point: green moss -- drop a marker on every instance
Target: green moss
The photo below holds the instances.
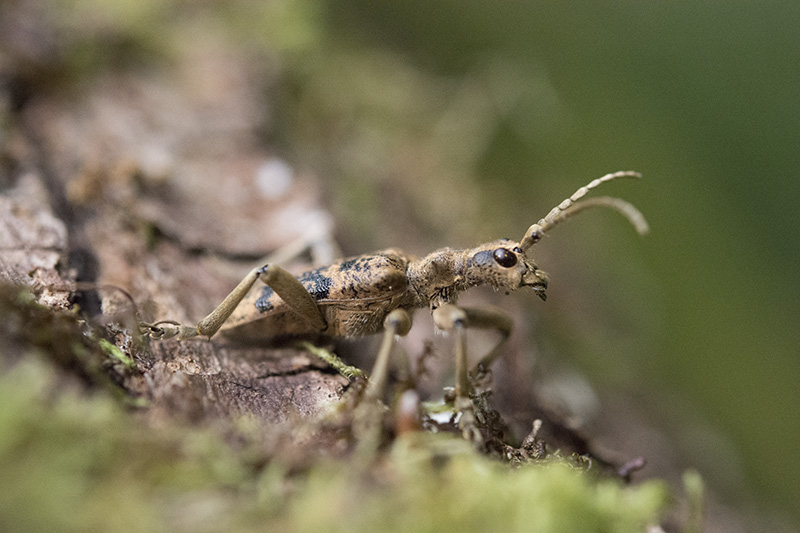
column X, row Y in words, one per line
column 78, row 461
column 75, row 461
column 116, row 354
column 55, row 453
column 419, row 489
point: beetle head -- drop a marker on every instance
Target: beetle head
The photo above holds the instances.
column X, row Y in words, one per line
column 507, row 265
column 503, row 265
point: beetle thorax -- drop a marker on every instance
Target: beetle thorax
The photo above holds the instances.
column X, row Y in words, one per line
column 439, row 276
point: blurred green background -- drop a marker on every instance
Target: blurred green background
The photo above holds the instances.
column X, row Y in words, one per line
column 698, row 321
column 450, row 123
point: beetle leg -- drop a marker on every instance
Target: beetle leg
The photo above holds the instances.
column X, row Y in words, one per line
column 284, row 284
column 398, row 322
column 449, row 317
column 368, row 421
column 489, row 318
column 288, row 288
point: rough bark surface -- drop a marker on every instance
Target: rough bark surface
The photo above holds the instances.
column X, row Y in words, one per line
column 158, row 184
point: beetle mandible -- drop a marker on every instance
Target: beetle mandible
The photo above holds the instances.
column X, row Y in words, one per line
column 369, row 293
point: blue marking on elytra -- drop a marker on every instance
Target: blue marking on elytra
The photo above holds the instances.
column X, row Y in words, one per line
column 317, row 285
column 263, row 304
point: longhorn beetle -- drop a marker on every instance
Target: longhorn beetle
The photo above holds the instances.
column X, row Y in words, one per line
column 366, row 294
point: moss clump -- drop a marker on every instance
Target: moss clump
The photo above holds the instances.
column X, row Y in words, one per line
column 438, row 483
column 72, row 461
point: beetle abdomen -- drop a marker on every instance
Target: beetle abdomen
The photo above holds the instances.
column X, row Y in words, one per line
column 354, row 296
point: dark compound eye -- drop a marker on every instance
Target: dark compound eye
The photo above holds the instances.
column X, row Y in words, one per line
column 505, row 258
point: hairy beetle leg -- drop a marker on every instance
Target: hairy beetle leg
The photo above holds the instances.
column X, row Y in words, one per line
column 398, row 322
column 283, row 283
column 368, row 421
column 449, row 317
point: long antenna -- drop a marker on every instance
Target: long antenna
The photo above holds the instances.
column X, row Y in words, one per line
column 570, row 207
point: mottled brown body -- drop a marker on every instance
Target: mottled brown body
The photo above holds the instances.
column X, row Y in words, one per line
column 354, row 296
